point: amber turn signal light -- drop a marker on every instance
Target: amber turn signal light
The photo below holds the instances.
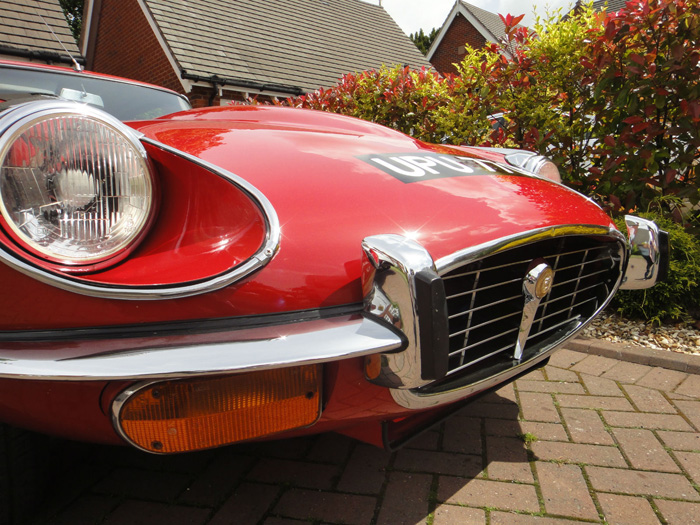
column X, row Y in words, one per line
column 194, row 414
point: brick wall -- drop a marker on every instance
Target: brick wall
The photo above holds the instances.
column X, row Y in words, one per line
column 127, row 47
column 451, row 48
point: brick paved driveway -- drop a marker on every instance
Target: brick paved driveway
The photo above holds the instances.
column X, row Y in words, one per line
column 587, row 439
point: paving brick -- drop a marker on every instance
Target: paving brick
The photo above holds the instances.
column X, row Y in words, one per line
column 508, row 518
column 503, row 427
column 644, row 451
column 585, row 426
column 690, row 387
column 406, row 499
column 454, row 515
column 325, row 506
column 691, row 464
column 689, row 441
column 283, row 521
column 544, row 431
column 490, row 410
column 429, row 440
column 506, row 459
column 331, row 448
column 297, row 473
column 365, row 472
column 559, row 374
column 648, row 400
column 87, row 510
column 625, row 372
column 295, row 448
column 564, row 491
column 594, row 365
column 463, row 434
column 248, row 504
column 136, row 483
column 649, row 421
column 551, row 387
column 627, row 510
column 594, row 402
column 438, row 462
column 599, row 386
column 535, row 375
column 147, row 513
column 662, row 379
column 578, row 453
column 691, row 410
column 482, row 493
column 566, row 358
column 505, row 394
column 538, row 407
column 679, row 512
column 217, row 481
column 655, row 484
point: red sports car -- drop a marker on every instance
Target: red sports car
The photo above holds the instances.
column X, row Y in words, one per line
column 177, row 279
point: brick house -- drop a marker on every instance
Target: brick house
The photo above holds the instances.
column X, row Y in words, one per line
column 216, row 52
column 466, row 24
column 25, row 32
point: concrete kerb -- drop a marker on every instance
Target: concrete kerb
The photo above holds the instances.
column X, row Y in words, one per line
column 688, row 363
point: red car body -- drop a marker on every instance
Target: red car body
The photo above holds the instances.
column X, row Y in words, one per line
column 300, row 243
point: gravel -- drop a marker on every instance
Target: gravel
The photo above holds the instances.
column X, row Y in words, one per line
column 610, row 327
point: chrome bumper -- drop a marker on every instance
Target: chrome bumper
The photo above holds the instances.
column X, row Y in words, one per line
column 177, row 356
column 648, row 254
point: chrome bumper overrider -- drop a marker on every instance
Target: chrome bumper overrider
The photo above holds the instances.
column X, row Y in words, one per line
column 177, row 356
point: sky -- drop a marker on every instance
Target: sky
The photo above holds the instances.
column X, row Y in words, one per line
column 412, row 15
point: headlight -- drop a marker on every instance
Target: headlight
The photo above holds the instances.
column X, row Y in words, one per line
column 75, row 184
column 535, row 164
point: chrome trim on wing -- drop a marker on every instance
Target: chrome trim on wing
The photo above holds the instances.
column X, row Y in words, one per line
column 165, row 357
column 261, row 257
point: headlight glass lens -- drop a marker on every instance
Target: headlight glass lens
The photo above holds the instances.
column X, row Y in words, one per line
column 75, row 188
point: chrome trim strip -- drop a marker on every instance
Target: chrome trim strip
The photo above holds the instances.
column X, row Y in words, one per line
column 164, row 357
column 263, row 256
column 452, row 261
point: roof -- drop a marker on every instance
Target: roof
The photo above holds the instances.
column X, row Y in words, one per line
column 303, row 43
column 22, row 29
column 488, row 24
column 611, row 6
column 491, row 21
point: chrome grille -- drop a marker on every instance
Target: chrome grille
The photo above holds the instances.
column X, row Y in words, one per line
column 485, row 299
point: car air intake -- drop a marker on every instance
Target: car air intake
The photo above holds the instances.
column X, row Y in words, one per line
column 485, row 303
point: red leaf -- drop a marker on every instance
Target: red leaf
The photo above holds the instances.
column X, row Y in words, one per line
column 638, row 59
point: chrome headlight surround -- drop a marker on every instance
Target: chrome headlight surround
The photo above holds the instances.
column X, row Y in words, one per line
column 76, row 187
column 535, row 164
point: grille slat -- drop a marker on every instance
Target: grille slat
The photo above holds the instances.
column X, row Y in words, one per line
column 462, row 294
column 485, row 299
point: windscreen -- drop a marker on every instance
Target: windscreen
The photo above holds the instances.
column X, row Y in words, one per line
column 123, row 100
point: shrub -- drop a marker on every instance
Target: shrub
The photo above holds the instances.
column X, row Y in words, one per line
column 644, row 71
column 677, row 299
